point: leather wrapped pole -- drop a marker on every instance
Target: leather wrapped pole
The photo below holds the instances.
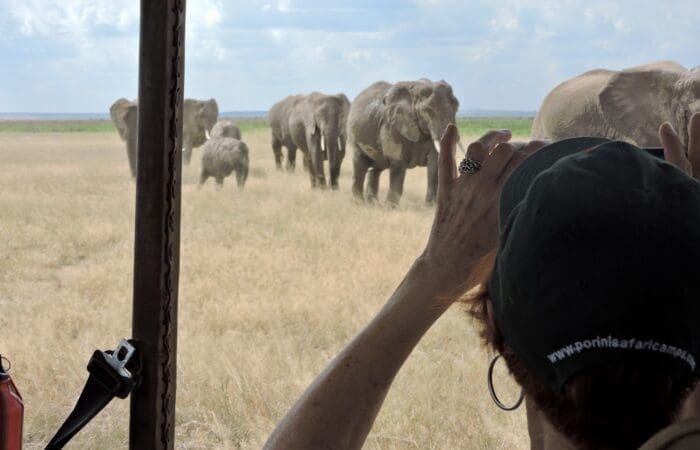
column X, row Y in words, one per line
column 157, row 241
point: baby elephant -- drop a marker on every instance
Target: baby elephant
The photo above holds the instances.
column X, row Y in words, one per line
column 226, row 128
column 220, row 157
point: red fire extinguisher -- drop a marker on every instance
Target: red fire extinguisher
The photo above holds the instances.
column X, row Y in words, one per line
column 11, row 412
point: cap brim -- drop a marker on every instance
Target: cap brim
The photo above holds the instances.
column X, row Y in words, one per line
column 519, row 181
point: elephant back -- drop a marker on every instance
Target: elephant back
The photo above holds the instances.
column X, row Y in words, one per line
column 571, row 109
column 226, row 128
column 279, row 115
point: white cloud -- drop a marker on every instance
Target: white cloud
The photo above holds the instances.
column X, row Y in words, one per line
column 505, row 20
column 70, row 18
column 284, row 5
column 203, row 44
column 483, row 50
column 278, row 34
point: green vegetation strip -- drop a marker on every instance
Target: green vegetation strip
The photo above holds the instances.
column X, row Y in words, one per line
column 475, row 126
column 57, row 126
column 467, row 126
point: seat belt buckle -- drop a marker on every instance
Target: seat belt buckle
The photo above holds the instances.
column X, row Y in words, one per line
column 116, row 370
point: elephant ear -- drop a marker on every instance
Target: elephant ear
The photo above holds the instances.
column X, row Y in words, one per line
column 213, row 108
column 117, row 112
column 131, row 116
column 637, row 101
column 343, row 98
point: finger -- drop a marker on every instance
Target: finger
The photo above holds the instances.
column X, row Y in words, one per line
column 525, row 151
column 673, row 147
column 500, row 158
column 479, row 149
column 694, row 144
column 534, row 146
column 447, row 167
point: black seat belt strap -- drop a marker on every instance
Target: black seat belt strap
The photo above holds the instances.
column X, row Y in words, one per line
column 112, row 374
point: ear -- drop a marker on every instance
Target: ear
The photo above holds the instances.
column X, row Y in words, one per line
column 399, row 113
column 343, row 98
column 131, row 115
column 636, row 101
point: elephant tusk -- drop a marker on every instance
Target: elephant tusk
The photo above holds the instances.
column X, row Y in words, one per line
column 340, row 145
column 461, row 147
column 206, row 134
column 323, row 143
column 436, row 143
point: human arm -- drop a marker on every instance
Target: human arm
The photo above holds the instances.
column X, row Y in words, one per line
column 340, row 406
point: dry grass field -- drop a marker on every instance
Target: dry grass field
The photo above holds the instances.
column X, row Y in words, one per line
column 274, row 281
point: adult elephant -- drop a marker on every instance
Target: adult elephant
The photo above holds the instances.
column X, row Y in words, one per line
column 395, row 127
column 314, row 124
column 198, row 118
column 124, row 114
column 278, row 118
column 627, row 105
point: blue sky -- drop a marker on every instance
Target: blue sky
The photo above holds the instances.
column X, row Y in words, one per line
column 80, row 55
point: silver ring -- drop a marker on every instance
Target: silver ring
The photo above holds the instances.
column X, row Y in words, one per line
column 469, row 166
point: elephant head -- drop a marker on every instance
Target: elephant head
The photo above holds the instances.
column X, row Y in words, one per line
column 417, row 111
column 636, row 101
column 124, row 114
column 199, row 117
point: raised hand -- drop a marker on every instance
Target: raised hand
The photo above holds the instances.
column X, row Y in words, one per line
column 465, row 228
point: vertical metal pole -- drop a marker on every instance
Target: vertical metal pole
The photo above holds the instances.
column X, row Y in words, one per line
column 157, row 241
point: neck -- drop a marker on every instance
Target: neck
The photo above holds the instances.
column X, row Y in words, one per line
column 543, row 436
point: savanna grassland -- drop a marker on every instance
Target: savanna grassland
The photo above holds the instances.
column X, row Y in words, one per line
column 275, row 279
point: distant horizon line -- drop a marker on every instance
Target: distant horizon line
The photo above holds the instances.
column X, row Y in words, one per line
column 252, row 114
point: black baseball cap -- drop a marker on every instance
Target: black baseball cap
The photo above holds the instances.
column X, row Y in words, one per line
column 598, row 261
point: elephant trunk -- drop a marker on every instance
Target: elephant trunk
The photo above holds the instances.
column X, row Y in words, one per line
column 329, row 144
column 332, row 149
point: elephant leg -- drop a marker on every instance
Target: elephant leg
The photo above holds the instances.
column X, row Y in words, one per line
column 187, row 154
column 432, row 177
column 310, row 169
column 291, row 158
column 277, row 150
column 316, row 154
column 131, row 155
column 397, row 174
column 360, row 165
column 373, row 184
column 203, row 177
column 219, row 183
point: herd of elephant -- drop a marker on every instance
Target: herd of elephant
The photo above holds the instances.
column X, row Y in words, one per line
column 397, row 126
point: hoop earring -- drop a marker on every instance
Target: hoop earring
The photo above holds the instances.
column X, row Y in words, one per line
column 492, row 391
